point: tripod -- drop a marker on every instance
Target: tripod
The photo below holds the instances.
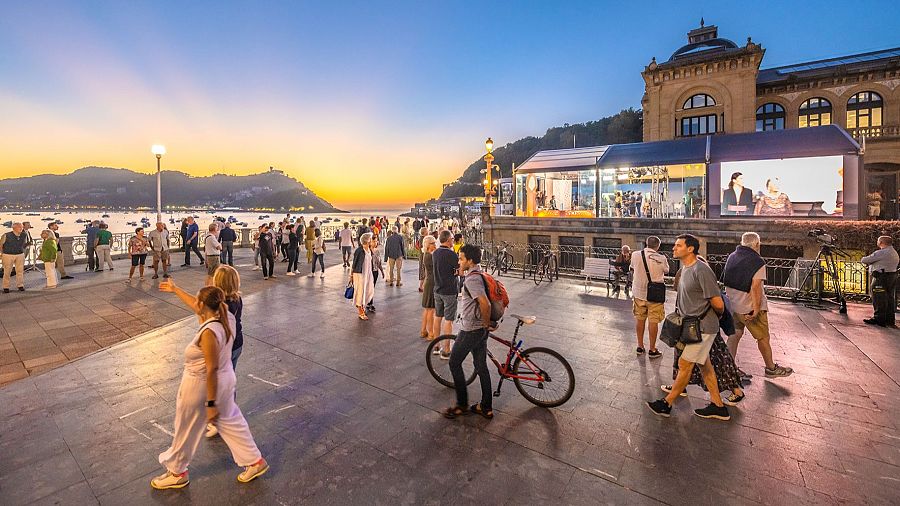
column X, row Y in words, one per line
column 817, row 284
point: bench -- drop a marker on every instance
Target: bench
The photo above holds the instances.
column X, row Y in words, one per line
column 600, row 269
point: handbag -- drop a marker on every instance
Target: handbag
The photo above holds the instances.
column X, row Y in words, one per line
column 656, row 292
column 348, row 292
column 684, row 329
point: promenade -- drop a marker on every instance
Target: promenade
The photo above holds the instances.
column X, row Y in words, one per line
column 346, row 412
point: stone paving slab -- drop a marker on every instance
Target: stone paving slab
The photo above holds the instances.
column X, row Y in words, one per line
column 43, row 329
column 346, row 412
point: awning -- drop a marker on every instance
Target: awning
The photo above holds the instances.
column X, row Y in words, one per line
column 828, row 140
column 562, row 160
column 647, row 154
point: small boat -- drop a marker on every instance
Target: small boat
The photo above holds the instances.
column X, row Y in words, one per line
column 59, row 222
column 46, row 218
column 57, row 213
column 32, row 214
column 353, row 222
column 7, row 224
column 132, row 224
column 105, row 216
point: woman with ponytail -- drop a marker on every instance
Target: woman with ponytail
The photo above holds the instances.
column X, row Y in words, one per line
column 206, row 395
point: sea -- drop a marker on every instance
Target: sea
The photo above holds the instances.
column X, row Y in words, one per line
column 127, row 221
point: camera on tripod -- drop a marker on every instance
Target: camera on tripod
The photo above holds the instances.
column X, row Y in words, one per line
column 821, row 236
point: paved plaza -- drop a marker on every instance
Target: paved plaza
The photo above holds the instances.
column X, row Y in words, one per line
column 346, row 412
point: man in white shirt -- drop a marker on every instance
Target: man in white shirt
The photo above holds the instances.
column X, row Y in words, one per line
column 346, row 237
column 212, row 249
column 643, row 310
column 159, row 245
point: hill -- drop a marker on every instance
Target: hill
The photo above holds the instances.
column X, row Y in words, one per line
column 624, row 127
column 122, row 188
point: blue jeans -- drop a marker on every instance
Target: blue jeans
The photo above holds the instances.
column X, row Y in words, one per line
column 227, row 254
column 235, row 354
column 474, row 342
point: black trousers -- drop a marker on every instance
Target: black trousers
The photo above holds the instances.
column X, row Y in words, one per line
column 192, row 246
column 292, row 255
column 267, row 259
column 93, row 261
column 474, row 342
column 884, row 296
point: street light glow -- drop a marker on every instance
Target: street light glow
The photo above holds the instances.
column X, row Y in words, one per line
column 158, row 149
column 489, row 145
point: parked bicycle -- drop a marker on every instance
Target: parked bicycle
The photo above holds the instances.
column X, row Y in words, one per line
column 501, row 261
column 546, row 266
column 541, row 375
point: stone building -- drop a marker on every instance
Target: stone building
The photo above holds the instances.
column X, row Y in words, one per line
column 712, row 86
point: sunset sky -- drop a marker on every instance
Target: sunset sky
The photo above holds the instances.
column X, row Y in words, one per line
column 368, row 103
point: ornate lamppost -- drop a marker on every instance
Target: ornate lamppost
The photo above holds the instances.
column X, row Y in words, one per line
column 489, row 191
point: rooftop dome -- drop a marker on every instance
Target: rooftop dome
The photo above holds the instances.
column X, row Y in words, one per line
column 701, row 46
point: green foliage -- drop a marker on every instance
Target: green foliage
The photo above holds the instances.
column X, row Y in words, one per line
column 623, row 128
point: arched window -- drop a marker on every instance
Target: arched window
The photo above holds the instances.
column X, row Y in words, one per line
column 769, row 117
column 700, row 100
column 864, row 110
column 815, row 112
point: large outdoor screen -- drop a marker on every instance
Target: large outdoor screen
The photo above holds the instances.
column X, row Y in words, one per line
column 793, row 187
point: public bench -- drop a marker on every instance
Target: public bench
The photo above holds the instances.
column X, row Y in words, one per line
column 600, row 269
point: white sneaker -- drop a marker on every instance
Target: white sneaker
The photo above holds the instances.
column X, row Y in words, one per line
column 211, row 430
column 256, row 267
column 310, row 275
column 252, row 472
column 291, row 274
column 169, row 480
column 322, row 276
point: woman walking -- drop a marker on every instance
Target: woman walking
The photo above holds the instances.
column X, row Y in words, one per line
column 206, row 394
column 292, row 250
column 318, row 254
column 363, row 279
column 266, row 252
column 427, row 331
column 138, row 246
column 377, row 268
column 48, row 256
column 227, row 279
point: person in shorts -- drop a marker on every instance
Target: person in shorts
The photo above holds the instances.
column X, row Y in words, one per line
column 643, row 310
column 213, row 249
column 697, row 295
column 446, row 289
column 138, row 246
column 744, row 277
column 159, row 247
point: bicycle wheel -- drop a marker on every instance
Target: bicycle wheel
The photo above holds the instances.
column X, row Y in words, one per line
column 552, row 268
column 506, row 261
column 558, row 383
column 440, row 368
column 540, row 272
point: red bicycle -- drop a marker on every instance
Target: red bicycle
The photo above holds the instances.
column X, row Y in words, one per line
column 540, row 374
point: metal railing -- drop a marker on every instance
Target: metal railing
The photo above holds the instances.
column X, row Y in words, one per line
column 784, row 276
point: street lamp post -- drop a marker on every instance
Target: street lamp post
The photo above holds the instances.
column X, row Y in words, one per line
column 159, row 150
column 488, row 180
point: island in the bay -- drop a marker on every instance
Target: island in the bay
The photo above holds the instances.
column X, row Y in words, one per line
column 111, row 188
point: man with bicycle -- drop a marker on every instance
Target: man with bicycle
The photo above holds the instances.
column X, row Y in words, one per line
column 474, row 325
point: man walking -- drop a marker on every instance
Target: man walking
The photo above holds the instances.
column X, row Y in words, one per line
column 60, row 261
column 191, row 240
column 12, row 245
column 91, row 231
column 394, row 253
column 346, row 238
column 213, row 250
column 698, row 295
column 226, row 238
column 159, row 246
column 474, row 324
column 446, row 288
column 648, row 265
column 744, row 277
column 883, row 268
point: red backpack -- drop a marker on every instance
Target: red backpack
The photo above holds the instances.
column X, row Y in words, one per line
column 496, row 294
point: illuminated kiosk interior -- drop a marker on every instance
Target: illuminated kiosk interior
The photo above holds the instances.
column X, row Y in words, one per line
column 799, row 173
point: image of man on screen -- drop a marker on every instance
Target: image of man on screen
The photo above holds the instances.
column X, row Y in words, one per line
column 737, row 199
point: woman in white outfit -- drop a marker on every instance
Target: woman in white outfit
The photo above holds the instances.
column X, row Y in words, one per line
column 363, row 279
column 206, row 395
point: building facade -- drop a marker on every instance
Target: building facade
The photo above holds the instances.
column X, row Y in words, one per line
column 713, row 86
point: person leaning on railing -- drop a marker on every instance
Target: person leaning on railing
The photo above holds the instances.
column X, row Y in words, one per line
column 883, row 268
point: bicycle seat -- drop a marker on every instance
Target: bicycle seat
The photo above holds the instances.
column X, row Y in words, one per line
column 526, row 320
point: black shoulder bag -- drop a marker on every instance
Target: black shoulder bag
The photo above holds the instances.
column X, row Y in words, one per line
column 656, row 292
